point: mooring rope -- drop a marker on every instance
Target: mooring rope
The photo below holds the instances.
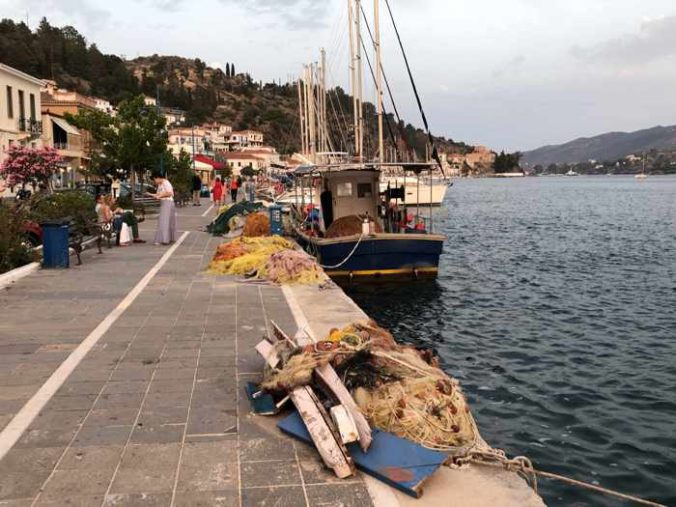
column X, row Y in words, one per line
column 342, row 263
column 523, row 466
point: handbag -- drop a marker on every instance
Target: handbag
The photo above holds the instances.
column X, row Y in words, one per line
column 125, row 235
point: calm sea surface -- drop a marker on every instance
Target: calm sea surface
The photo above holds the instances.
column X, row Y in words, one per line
column 556, row 310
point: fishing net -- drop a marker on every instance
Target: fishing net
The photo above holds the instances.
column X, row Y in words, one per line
column 221, row 224
column 293, row 266
column 398, row 388
column 271, row 258
column 348, row 226
column 257, row 225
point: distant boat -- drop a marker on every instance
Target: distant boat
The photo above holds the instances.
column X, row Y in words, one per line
column 572, row 173
column 642, row 175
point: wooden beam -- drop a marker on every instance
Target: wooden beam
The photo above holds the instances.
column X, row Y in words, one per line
column 333, row 452
column 267, row 350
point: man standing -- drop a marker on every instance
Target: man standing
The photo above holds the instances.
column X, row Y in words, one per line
column 196, row 189
column 234, row 186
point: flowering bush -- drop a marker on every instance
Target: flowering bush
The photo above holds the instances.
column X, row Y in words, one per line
column 30, row 165
column 15, row 250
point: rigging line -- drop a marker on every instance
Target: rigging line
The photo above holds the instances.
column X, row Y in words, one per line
column 340, row 105
column 335, row 115
column 382, row 69
column 373, row 75
column 435, row 155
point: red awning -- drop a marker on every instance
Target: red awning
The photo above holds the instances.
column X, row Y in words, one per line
column 210, row 161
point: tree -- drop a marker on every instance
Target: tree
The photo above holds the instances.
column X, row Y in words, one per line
column 248, row 171
column 31, row 165
column 507, row 162
column 179, row 171
column 98, row 127
column 227, row 70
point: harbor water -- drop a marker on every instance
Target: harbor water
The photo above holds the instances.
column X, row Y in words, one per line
column 556, row 309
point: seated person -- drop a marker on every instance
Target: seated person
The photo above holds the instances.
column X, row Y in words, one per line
column 108, row 212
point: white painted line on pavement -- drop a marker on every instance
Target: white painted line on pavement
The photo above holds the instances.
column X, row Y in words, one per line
column 13, row 431
column 208, row 210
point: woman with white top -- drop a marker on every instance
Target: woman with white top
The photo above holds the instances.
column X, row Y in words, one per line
column 166, row 225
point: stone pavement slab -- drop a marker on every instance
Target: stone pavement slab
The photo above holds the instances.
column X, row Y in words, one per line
column 155, row 413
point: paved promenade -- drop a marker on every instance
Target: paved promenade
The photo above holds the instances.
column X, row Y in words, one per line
column 153, row 414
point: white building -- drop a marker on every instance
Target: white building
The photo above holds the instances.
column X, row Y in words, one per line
column 238, row 160
column 173, row 116
column 104, row 106
column 20, row 109
column 245, row 139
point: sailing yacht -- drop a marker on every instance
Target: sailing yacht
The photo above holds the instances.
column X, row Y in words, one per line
column 642, row 175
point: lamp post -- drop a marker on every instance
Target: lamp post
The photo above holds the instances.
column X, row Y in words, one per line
column 157, row 104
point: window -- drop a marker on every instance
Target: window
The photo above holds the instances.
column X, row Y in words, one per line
column 364, row 190
column 22, row 106
column 344, row 189
column 10, row 103
column 32, row 106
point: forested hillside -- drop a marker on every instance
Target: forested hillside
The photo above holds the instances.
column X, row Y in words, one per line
column 63, row 54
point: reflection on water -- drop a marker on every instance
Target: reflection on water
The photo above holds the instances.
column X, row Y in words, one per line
column 555, row 309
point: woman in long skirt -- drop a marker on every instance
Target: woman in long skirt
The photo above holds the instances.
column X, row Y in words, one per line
column 166, row 225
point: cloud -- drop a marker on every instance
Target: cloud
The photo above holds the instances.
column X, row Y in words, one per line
column 293, row 14
column 167, row 5
column 80, row 11
column 655, row 40
column 510, row 67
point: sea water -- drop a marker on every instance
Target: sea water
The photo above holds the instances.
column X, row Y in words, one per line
column 555, row 307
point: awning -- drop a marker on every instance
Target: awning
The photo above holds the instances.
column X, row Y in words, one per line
column 65, row 126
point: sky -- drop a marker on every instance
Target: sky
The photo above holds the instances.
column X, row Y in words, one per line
column 510, row 74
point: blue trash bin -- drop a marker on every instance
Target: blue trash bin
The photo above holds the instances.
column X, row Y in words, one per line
column 55, row 253
column 276, row 221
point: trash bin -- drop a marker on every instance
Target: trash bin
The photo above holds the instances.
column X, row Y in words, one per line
column 276, row 221
column 55, row 253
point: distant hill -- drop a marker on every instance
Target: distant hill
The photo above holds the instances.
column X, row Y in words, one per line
column 611, row 146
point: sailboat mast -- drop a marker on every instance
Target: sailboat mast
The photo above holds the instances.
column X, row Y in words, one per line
column 360, row 82
column 353, row 81
column 322, row 102
column 379, row 80
column 301, row 106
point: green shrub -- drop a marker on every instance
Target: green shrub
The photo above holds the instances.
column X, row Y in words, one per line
column 75, row 204
column 15, row 251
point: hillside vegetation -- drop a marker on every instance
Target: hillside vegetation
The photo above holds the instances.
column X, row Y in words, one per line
column 63, row 54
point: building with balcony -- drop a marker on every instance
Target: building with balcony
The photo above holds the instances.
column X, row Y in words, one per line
column 72, row 144
column 20, row 107
column 173, row 116
column 245, row 139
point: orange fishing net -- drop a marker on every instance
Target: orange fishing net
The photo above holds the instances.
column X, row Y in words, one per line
column 257, row 225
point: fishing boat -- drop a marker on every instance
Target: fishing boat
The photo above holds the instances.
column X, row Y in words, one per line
column 357, row 222
column 356, row 232
column 572, row 173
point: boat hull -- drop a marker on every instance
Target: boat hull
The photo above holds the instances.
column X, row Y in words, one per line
column 378, row 256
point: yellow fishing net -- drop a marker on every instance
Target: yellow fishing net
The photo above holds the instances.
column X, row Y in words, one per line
column 270, row 258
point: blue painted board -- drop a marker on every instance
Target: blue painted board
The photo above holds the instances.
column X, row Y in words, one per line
column 396, row 461
column 263, row 405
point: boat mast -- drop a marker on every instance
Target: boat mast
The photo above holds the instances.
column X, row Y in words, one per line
column 353, row 85
column 325, row 130
column 379, row 80
column 360, row 82
column 301, row 107
column 306, row 110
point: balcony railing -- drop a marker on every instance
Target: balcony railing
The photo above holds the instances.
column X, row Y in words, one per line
column 33, row 127
column 67, row 146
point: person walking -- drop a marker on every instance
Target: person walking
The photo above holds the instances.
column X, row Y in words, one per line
column 233, row 189
column 196, row 189
column 217, row 193
column 166, row 224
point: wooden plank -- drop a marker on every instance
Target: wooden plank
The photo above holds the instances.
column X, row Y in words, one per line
column 396, row 461
column 280, row 335
column 267, row 350
column 320, row 433
column 344, row 423
column 332, row 383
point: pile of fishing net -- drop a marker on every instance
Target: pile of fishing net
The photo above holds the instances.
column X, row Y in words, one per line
column 225, row 223
column 244, row 256
column 257, row 225
column 270, row 258
column 398, row 388
column 293, row 266
column 348, row 226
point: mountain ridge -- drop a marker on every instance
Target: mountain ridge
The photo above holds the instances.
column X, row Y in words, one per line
column 603, row 147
